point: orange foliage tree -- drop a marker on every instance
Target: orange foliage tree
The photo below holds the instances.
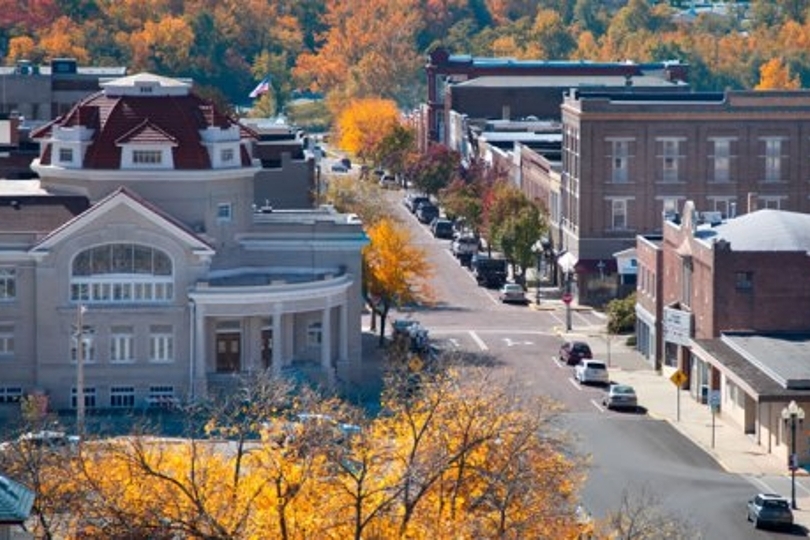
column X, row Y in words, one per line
column 775, row 75
column 368, row 50
column 395, row 271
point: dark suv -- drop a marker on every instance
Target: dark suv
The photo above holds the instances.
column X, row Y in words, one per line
column 571, row 352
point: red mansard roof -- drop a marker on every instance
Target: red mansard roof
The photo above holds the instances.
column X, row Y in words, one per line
column 175, row 119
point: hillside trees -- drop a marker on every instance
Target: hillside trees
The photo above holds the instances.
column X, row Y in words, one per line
column 367, row 50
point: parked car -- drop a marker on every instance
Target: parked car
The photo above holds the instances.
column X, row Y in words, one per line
column 512, row 293
column 620, row 396
column 770, row 510
column 346, row 162
column 427, row 212
column 388, row 181
column 591, row 372
column 441, row 228
column 339, row 167
column 490, row 272
column 464, row 247
column 571, row 352
column 413, row 201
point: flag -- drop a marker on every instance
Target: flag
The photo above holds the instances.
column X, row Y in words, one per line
column 261, row 88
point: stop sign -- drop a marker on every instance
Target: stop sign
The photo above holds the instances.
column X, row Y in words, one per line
column 567, row 297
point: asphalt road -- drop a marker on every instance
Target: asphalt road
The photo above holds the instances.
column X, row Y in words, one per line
column 630, row 452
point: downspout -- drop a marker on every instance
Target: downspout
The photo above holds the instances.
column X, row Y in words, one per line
column 192, row 343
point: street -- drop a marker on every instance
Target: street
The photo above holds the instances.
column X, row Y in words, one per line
column 628, row 451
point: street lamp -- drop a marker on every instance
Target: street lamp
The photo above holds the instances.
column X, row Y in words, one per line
column 791, row 414
column 83, row 336
column 567, row 262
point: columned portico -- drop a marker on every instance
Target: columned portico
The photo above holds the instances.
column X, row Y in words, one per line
column 284, row 311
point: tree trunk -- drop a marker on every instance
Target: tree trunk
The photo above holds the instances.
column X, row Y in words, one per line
column 383, row 317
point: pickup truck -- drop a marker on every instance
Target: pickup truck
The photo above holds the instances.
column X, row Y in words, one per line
column 464, row 248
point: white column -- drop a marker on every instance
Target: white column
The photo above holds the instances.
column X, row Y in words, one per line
column 278, row 342
column 198, row 355
column 326, row 339
column 343, row 338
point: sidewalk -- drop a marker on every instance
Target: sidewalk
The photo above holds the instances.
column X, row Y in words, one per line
column 734, row 451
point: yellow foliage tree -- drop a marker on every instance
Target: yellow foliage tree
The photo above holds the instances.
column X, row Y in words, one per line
column 363, row 124
column 775, row 75
column 460, row 456
column 395, row 271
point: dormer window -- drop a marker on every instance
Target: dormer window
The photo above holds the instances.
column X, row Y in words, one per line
column 147, row 157
column 145, row 89
column 227, row 156
column 65, row 155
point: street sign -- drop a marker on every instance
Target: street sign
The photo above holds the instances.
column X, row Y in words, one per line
column 567, row 297
column 714, row 398
column 678, row 378
column 416, row 364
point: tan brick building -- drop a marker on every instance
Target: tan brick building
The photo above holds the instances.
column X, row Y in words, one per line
column 143, row 225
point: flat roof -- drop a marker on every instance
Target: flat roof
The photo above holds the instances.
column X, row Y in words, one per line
column 569, row 81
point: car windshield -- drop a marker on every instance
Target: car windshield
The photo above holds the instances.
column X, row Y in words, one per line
column 595, row 365
column 513, row 288
column 622, row 389
column 580, row 347
column 775, row 504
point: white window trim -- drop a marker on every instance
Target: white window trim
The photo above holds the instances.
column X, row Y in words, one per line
column 161, row 347
column 625, row 201
column 122, row 347
column 6, row 340
column 229, row 210
column 314, row 334
column 8, row 276
column 128, row 157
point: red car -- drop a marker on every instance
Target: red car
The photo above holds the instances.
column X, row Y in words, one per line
column 571, row 352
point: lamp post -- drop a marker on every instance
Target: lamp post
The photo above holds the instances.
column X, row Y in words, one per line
column 567, row 262
column 81, row 333
column 791, row 414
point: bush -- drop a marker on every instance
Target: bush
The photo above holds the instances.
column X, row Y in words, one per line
column 621, row 315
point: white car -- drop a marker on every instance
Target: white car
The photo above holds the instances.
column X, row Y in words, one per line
column 591, row 372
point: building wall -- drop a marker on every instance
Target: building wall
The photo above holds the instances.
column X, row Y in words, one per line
column 55, row 369
column 290, row 186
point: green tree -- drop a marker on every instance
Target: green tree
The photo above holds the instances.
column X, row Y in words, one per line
column 621, row 315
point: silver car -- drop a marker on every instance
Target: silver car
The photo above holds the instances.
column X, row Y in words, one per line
column 620, row 396
column 770, row 509
column 512, row 293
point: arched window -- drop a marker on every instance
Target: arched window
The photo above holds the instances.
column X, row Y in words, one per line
column 121, row 273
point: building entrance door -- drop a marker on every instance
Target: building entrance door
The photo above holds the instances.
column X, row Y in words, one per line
column 267, row 347
column 228, row 352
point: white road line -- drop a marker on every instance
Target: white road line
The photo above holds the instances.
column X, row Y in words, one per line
column 597, row 405
column 478, row 341
column 763, row 486
column 575, row 384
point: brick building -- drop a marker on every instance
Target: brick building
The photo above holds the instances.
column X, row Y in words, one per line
column 726, row 303
column 506, row 89
column 629, row 159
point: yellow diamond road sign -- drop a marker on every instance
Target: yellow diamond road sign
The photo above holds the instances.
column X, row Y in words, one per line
column 678, row 378
column 416, row 364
